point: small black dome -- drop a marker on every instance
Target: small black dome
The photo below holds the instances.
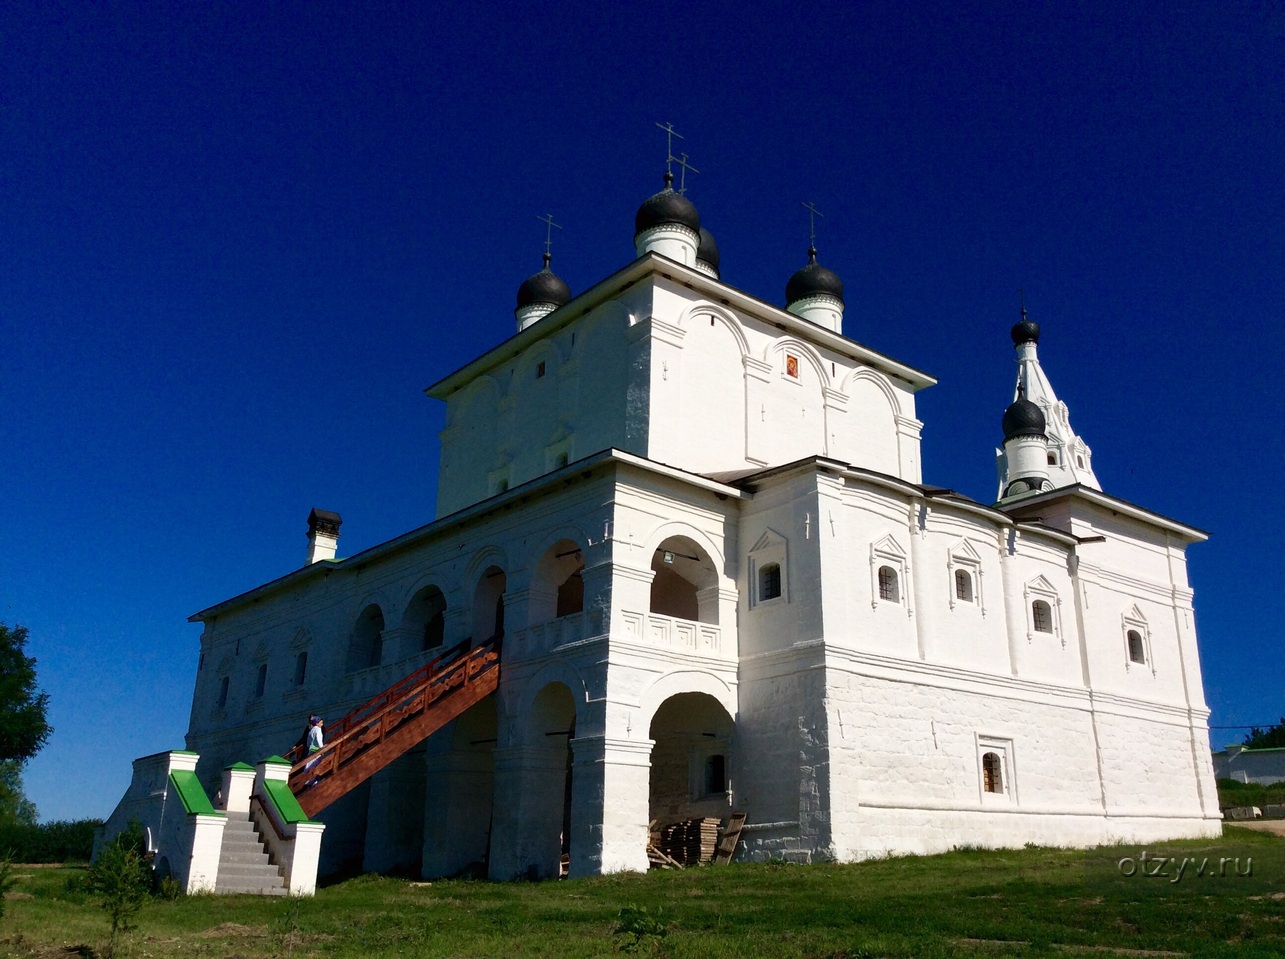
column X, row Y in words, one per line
column 707, row 252
column 1023, row 418
column 813, row 280
column 667, row 207
column 1027, row 331
column 545, row 287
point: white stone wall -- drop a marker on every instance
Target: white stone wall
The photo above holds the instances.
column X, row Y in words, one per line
column 669, row 372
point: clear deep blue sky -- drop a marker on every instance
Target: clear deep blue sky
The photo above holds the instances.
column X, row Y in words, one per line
column 240, row 239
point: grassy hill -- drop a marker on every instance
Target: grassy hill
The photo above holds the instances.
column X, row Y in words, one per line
column 1031, row 902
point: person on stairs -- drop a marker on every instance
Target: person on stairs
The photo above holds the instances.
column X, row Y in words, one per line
column 315, row 741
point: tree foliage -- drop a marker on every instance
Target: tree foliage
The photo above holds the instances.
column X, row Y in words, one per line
column 23, row 729
column 15, row 808
column 1273, row 737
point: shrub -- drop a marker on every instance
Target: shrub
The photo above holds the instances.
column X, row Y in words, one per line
column 68, row 841
column 121, row 879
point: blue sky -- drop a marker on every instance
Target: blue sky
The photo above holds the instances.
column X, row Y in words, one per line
column 240, row 239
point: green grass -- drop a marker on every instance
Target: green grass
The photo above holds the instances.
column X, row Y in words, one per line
column 1031, row 902
column 1233, row 793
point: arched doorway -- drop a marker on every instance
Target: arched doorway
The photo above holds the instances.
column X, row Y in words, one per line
column 547, row 793
column 691, row 761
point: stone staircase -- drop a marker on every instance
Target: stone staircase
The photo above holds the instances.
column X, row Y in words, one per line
column 243, row 861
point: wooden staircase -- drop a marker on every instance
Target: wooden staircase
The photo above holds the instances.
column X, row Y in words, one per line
column 377, row 732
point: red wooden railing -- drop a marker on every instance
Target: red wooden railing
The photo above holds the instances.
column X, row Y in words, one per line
column 375, row 733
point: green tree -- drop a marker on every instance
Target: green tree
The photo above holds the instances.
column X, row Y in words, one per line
column 1273, row 737
column 121, row 878
column 15, row 808
column 23, row 729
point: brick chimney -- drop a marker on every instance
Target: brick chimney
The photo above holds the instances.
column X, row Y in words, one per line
column 323, row 535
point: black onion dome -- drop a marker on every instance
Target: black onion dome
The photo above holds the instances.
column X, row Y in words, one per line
column 1023, row 418
column 545, row 287
column 1027, row 331
column 666, row 208
column 707, row 252
column 813, row 280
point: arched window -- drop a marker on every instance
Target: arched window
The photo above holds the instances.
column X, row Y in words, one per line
column 1137, row 651
column 963, row 586
column 300, row 668
column 261, row 681
column 992, row 778
column 769, row 581
column 1042, row 616
column 889, row 587
column 223, row 692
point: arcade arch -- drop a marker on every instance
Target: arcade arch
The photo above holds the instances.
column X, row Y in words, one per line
column 685, row 581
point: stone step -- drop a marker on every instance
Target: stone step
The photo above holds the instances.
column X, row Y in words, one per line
column 234, row 872
column 251, row 888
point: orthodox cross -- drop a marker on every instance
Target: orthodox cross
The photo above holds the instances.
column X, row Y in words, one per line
column 547, row 220
column 669, row 148
column 813, row 213
column 682, row 181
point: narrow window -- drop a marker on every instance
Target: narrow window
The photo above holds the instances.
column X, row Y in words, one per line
column 1042, row 616
column 715, row 774
column 992, row 780
column 300, row 668
column 502, row 485
column 1052, row 458
column 1079, row 460
column 562, row 459
column 539, row 369
column 261, row 681
column 1137, row 652
column 200, row 662
column 963, row 586
column 770, row 581
column 889, row 588
column 223, row 692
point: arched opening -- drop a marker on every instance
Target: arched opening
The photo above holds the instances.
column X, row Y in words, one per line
column 992, row 777
column 488, row 605
column 1137, row 651
column 685, row 582
column 691, row 769
column 963, row 586
column 557, row 588
column 426, row 617
column 460, row 762
column 366, row 644
column 1041, row 616
column 889, row 585
column 549, row 734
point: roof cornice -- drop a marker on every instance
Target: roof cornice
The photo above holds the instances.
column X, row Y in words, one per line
column 1106, row 501
column 656, row 265
column 439, row 527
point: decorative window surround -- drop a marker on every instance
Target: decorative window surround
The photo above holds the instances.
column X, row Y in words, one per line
column 888, row 552
column 1134, row 622
column 770, row 550
column 1041, row 590
column 996, row 770
column 964, row 558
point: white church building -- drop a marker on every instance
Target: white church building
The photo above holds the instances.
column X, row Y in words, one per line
column 695, row 527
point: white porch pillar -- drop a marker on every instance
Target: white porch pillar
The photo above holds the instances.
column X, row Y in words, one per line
column 610, row 782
